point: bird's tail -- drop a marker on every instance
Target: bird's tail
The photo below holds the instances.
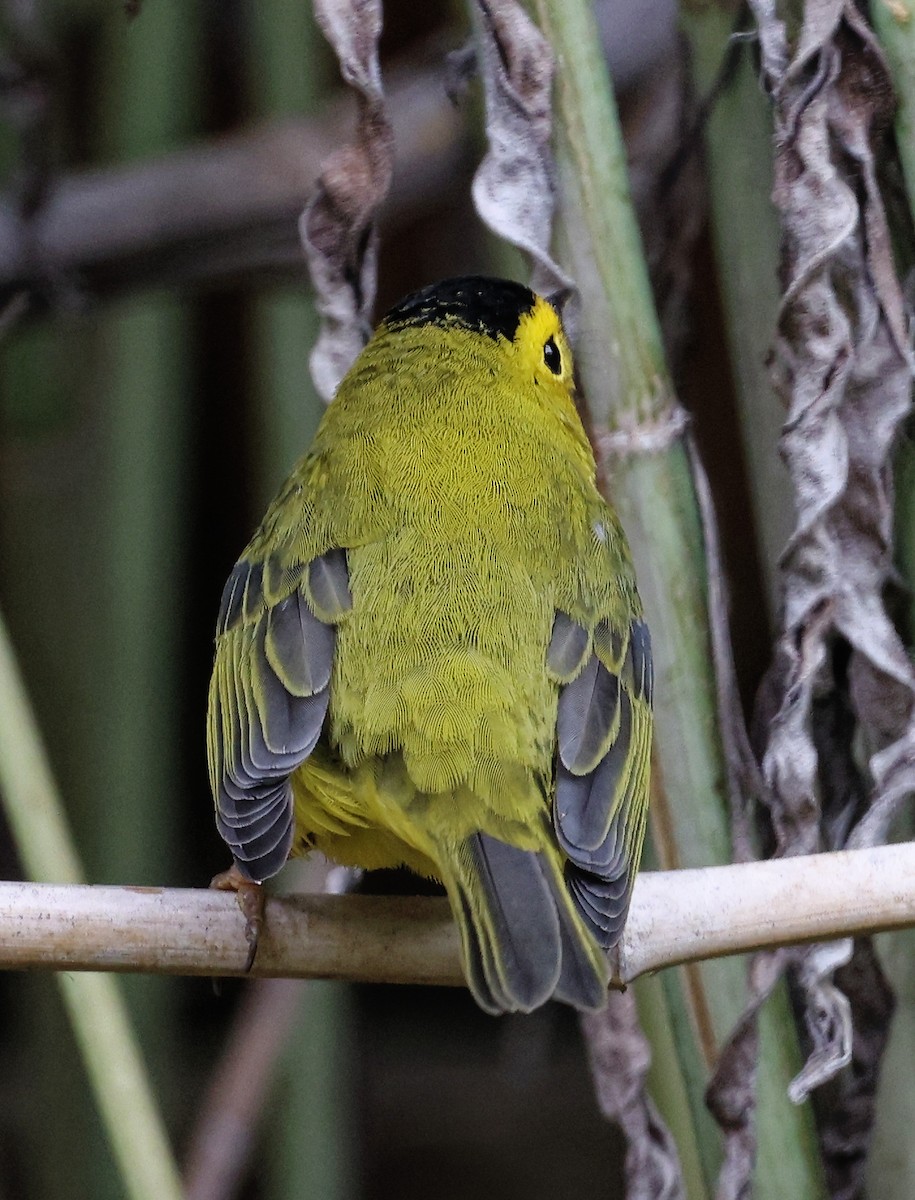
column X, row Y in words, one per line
column 522, row 939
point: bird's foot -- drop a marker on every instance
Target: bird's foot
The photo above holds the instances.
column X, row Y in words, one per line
column 251, row 900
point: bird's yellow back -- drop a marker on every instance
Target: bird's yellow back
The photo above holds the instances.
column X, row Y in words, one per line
column 440, row 575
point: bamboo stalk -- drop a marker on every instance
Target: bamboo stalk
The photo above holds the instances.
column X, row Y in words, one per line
column 745, row 231
column 676, row 917
column 309, row 1142
column 891, row 1163
column 65, row 479
column 668, row 1083
column 142, row 377
column 315, row 1150
column 894, row 24
column 631, row 401
column 891, row 1166
column 93, row 1002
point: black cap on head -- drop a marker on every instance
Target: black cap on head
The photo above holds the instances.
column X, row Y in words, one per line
column 491, row 306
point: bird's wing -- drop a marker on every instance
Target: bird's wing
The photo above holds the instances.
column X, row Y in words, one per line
column 603, row 738
column 269, row 692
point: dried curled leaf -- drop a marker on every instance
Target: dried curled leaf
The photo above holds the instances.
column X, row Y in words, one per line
column 620, row 1057
column 827, row 1015
column 846, row 1138
column 842, row 364
column 337, row 226
column 514, row 187
column 844, row 368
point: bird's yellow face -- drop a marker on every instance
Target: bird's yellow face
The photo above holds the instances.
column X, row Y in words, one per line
column 507, row 316
column 540, row 349
column 505, row 337
column 540, row 353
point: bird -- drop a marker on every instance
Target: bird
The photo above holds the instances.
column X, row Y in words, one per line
column 432, row 653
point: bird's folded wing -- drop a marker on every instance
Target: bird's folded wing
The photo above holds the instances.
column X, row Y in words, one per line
column 269, row 694
column 603, row 733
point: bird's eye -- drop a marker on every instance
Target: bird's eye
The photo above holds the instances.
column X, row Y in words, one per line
column 552, row 357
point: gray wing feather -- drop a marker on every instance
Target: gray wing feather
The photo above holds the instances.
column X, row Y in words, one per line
column 328, row 583
column 588, row 712
column 269, row 699
column 568, row 646
column 588, row 810
column 298, row 647
column 599, row 809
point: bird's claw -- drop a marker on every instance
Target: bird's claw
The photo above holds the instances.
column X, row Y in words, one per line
column 251, row 900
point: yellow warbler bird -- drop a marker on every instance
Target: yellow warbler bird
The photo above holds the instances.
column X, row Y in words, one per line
column 432, row 652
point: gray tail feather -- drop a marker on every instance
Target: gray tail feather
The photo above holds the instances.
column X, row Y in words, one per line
column 523, row 940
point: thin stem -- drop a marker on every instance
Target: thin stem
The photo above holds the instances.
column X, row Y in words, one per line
column 93, row 1002
column 621, row 329
column 226, row 1128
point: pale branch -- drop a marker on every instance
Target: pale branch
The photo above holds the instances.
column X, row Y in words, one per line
column 676, row 917
column 224, row 208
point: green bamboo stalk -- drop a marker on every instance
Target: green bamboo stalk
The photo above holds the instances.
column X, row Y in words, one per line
column 93, row 1002
column 310, row 1142
column 38, row 541
column 287, row 408
column 61, row 561
column 47, row 508
column 669, row 1086
column 744, row 223
column 289, row 66
column 891, row 1167
column 143, row 385
column 622, row 365
column 745, row 232
column 894, row 24
column 314, row 1147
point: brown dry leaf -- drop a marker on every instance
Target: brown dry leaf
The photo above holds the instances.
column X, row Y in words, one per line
column 620, row 1057
column 514, row 188
column 337, row 226
column 841, row 676
column 846, row 1137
